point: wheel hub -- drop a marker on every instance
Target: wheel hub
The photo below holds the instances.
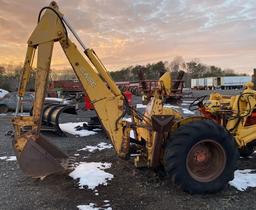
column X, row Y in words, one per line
column 206, row 160
column 201, row 154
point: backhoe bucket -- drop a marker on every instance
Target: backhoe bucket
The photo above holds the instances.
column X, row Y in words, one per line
column 38, row 157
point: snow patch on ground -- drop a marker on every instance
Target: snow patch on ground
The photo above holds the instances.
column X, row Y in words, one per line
column 165, row 105
column 22, row 113
column 171, row 106
column 128, row 119
column 8, row 158
column 92, row 206
column 140, row 106
column 244, row 179
column 70, row 128
column 187, row 111
column 132, row 134
column 61, row 100
column 11, row 158
column 3, row 93
column 187, row 102
column 100, row 146
column 91, row 174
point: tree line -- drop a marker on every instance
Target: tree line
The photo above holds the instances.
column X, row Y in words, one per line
column 9, row 75
column 193, row 69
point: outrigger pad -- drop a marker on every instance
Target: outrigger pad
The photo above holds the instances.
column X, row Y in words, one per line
column 40, row 158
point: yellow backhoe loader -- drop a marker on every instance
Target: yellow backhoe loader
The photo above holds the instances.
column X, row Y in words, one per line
column 197, row 154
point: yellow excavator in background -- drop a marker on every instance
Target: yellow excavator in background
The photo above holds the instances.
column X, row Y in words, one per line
column 197, row 154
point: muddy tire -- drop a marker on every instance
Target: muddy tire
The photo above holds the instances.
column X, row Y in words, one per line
column 200, row 157
column 3, row 109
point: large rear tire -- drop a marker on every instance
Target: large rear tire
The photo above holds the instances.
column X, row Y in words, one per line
column 200, row 157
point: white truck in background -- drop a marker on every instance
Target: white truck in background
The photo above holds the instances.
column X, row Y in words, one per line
column 225, row 82
column 234, row 81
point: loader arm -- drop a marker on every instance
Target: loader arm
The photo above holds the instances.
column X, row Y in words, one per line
column 101, row 89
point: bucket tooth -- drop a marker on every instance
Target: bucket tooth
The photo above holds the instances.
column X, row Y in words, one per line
column 70, row 163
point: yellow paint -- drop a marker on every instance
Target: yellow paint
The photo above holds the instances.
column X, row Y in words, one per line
column 241, row 105
column 101, row 89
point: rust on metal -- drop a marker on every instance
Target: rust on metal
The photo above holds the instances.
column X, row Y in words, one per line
column 206, row 160
column 160, row 124
column 39, row 157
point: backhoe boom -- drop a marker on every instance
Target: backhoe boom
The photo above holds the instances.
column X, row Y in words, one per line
column 102, row 91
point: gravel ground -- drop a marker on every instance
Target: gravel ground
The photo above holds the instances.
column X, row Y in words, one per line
column 130, row 188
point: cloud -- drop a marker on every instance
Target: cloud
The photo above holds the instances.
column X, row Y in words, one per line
column 129, row 32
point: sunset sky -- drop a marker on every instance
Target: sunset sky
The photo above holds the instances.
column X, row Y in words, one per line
column 130, row 32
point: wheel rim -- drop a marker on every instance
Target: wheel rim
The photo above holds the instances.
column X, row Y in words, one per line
column 206, row 160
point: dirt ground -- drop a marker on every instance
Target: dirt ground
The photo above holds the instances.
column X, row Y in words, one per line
column 130, row 188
